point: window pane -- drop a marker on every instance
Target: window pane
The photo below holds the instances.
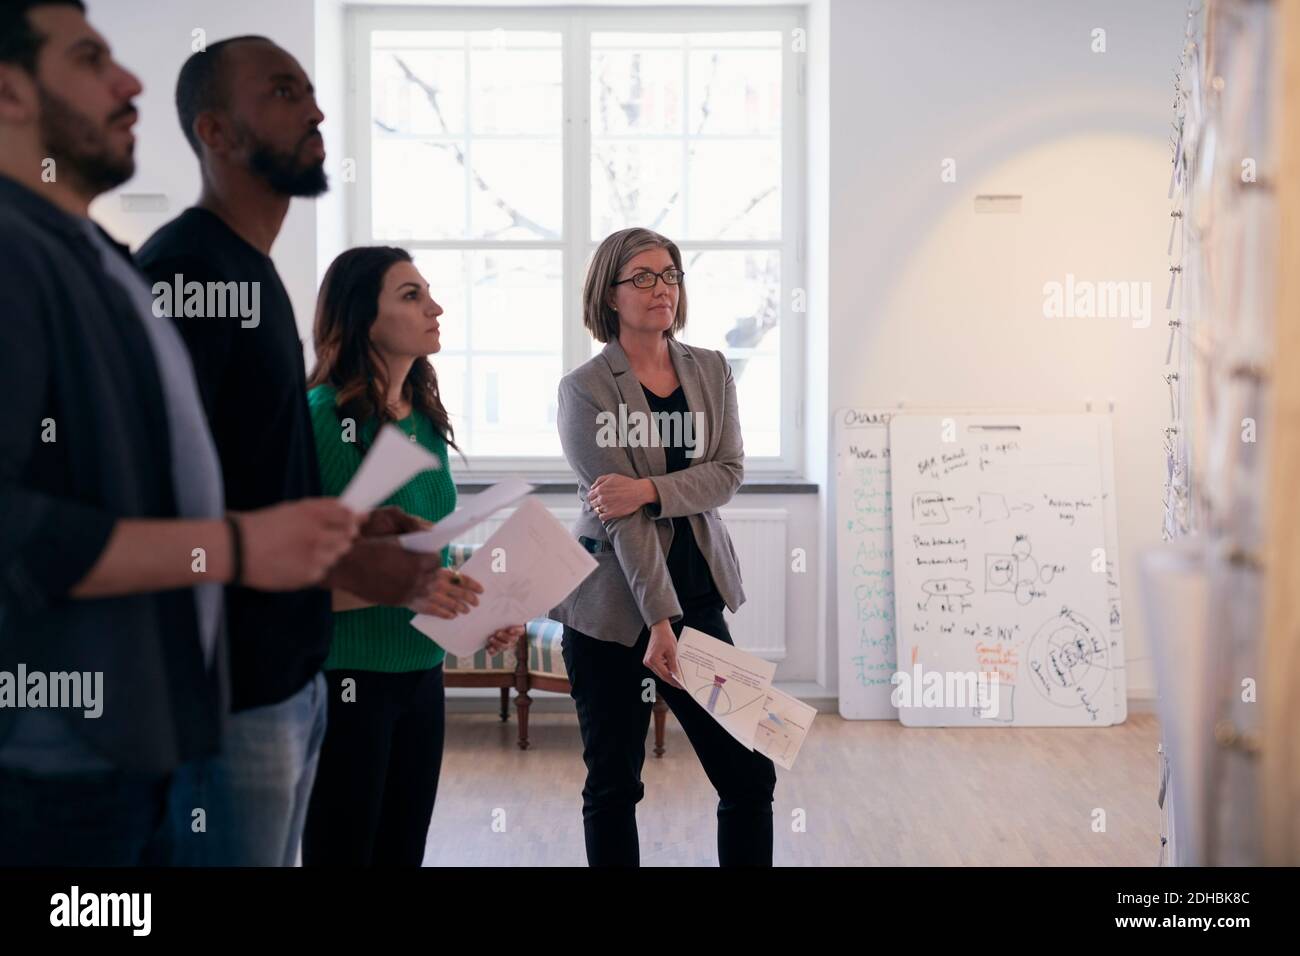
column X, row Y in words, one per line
column 734, row 190
column 468, row 140
column 501, row 335
column 635, row 91
column 513, row 199
column 735, row 91
column 666, row 114
column 516, row 301
column 512, row 401
column 417, row 190
column 417, row 91
column 734, row 306
column 452, row 388
column 516, row 83
column 759, row 397
column 453, row 113
column 497, row 403
column 636, row 184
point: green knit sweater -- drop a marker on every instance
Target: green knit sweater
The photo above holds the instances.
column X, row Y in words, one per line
column 381, row 638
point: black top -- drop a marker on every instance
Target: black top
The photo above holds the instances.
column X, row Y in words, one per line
column 253, row 382
column 687, row 566
column 84, row 444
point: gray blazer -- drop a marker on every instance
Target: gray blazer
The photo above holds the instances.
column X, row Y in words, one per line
column 630, row 588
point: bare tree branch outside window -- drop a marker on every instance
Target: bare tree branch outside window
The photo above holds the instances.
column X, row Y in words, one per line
column 748, row 330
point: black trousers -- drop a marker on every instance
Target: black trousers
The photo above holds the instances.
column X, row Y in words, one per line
column 614, row 715
column 378, row 774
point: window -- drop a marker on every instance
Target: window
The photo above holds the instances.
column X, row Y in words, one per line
column 500, row 147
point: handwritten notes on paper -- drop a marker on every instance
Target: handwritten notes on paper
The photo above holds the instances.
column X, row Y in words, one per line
column 864, row 548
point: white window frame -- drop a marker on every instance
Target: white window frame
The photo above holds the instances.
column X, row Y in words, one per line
column 575, row 25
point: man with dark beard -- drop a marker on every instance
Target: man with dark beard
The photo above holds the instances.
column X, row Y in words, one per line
column 114, row 538
column 250, row 114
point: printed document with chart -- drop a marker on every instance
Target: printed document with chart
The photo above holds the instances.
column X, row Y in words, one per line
column 735, row 689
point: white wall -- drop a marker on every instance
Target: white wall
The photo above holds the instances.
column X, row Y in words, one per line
column 912, row 296
column 330, row 79
column 933, row 304
column 816, row 432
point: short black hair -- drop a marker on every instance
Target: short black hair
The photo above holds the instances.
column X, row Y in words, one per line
column 19, row 41
column 201, row 85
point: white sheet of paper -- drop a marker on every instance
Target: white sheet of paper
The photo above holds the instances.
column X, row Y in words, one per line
column 393, row 460
column 475, row 510
column 730, row 684
column 540, row 564
column 783, row 727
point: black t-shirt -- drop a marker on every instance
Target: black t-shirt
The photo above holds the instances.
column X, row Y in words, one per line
column 687, row 567
column 252, row 379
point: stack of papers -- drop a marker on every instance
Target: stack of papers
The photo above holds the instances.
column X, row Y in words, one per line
column 735, row 688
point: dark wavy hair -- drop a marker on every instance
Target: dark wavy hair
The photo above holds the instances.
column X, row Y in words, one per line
column 20, row 42
column 346, row 310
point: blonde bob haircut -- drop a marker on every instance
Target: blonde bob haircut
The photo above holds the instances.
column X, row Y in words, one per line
column 615, row 252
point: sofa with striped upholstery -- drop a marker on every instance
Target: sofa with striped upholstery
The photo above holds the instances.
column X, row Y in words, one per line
column 534, row 664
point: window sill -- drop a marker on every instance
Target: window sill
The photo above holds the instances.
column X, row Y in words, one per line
column 565, row 485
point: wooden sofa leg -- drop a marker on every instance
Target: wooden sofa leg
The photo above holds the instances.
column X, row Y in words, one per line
column 505, row 704
column 522, row 700
column 661, row 721
column 522, row 703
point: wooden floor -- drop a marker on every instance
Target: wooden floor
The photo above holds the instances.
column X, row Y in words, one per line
column 872, row 793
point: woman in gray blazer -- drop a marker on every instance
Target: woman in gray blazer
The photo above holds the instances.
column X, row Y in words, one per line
column 650, row 427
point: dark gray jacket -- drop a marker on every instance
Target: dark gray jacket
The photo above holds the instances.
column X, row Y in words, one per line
column 74, row 353
column 631, row 587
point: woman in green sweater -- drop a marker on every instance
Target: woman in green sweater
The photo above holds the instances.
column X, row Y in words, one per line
column 376, row 325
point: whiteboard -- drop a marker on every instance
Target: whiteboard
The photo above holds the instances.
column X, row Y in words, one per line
column 1000, row 554
column 866, row 645
column 1115, row 620
column 864, row 552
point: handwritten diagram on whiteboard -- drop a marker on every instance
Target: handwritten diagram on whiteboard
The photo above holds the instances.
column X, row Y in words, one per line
column 1000, row 567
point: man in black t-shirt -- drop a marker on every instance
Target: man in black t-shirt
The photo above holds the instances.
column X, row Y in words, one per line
column 249, row 111
column 114, row 538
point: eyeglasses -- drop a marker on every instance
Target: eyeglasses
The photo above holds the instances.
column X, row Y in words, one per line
column 647, row 280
